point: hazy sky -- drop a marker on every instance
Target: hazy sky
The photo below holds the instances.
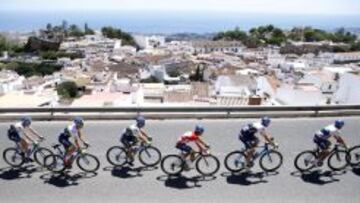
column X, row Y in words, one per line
column 321, row 7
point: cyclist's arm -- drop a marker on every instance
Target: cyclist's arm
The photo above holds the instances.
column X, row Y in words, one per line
column 35, row 133
column 268, row 138
column 202, row 143
column 80, row 137
column 340, row 140
column 143, row 136
column 29, row 137
column 26, row 135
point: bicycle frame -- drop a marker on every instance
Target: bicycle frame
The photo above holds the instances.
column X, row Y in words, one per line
column 73, row 157
column 198, row 154
column 333, row 150
column 265, row 150
column 33, row 148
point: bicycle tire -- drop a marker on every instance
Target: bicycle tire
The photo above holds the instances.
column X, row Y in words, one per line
column 335, row 154
column 180, row 164
column 356, row 156
column 116, row 162
column 274, row 153
column 204, row 157
column 54, row 163
column 43, row 152
column 228, row 159
column 88, row 156
column 144, row 151
column 15, row 151
column 311, row 166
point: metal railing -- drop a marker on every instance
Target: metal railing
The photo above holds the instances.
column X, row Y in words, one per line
column 181, row 112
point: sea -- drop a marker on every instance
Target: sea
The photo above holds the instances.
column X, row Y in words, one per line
column 170, row 22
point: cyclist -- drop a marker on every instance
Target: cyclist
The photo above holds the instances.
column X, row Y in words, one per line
column 248, row 135
column 321, row 139
column 72, row 131
column 22, row 133
column 132, row 135
column 188, row 137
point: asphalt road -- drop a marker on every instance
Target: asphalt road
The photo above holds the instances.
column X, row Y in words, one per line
column 33, row 184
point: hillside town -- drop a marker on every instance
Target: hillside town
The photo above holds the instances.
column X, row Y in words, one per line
column 108, row 72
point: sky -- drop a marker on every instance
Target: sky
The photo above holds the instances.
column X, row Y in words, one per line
column 319, row 7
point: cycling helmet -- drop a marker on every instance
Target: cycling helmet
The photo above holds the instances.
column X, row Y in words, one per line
column 199, row 130
column 339, row 124
column 140, row 121
column 265, row 121
column 26, row 121
column 79, row 122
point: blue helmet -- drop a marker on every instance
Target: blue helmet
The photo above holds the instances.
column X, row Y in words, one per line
column 79, row 122
column 26, row 121
column 265, row 121
column 199, row 130
column 339, row 124
column 140, row 121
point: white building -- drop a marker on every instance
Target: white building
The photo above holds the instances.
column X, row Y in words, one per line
column 10, row 81
column 204, row 47
column 235, row 85
column 323, row 80
column 347, row 57
column 349, row 91
column 306, row 95
column 149, row 42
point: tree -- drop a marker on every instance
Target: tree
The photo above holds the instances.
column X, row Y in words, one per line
column 355, row 46
column 67, row 90
column 88, row 31
column 198, row 76
column 75, row 31
column 174, row 73
column 49, row 27
column 114, row 33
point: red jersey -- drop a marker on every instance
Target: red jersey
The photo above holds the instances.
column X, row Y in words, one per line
column 188, row 137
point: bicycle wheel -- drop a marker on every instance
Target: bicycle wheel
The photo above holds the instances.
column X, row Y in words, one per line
column 271, row 161
column 305, row 161
column 150, row 156
column 235, row 161
column 13, row 157
column 88, row 162
column 116, row 156
column 207, row 165
column 40, row 154
column 354, row 156
column 54, row 163
column 338, row 160
column 172, row 164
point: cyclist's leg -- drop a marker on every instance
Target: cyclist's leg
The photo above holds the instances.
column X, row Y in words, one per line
column 23, row 145
column 69, row 148
column 128, row 142
column 253, row 144
column 324, row 146
column 248, row 146
column 187, row 151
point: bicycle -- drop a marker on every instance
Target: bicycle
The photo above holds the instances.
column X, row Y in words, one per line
column 148, row 155
column 354, row 156
column 15, row 157
column 235, row 161
column 84, row 161
column 337, row 159
column 206, row 164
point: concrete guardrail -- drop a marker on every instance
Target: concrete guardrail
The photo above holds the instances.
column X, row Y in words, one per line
column 191, row 112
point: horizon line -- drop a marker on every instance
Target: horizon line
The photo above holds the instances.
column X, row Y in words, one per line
column 231, row 12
